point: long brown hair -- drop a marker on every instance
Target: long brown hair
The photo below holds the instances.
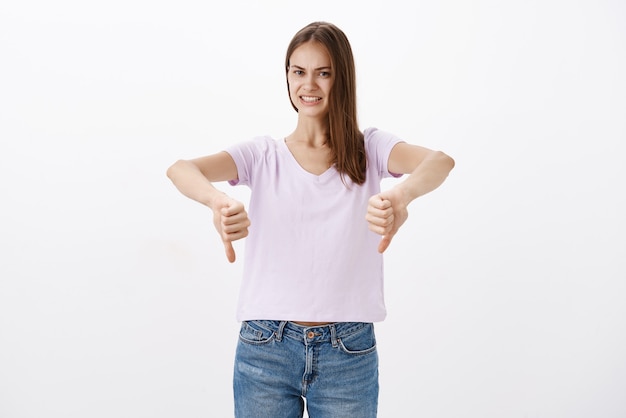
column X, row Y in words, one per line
column 345, row 139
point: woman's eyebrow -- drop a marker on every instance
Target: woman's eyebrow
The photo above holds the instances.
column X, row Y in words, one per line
column 315, row 69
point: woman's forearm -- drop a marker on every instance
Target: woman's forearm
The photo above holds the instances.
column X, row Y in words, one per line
column 427, row 176
column 190, row 181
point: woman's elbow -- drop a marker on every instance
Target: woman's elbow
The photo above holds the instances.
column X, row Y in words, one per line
column 444, row 159
column 174, row 168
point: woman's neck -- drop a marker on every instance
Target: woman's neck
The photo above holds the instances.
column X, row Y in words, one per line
column 310, row 132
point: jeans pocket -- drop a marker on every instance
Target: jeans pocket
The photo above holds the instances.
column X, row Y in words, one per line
column 252, row 333
column 360, row 342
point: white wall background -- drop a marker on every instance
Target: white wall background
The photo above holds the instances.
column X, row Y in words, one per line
column 506, row 288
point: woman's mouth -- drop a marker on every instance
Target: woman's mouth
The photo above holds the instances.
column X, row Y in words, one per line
column 310, row 99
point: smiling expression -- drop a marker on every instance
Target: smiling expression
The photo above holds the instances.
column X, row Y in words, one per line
column 310, row 79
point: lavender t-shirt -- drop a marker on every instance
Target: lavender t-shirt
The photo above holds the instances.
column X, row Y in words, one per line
column 309, row 255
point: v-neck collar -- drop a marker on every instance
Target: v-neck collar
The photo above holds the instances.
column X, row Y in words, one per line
column 322, row 177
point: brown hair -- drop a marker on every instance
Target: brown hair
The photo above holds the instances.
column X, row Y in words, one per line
column 345, row 139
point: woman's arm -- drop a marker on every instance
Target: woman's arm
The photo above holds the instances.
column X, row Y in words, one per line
column 194, row 178
column 427, row 170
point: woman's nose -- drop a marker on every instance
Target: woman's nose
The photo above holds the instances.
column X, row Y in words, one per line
column 309, row 82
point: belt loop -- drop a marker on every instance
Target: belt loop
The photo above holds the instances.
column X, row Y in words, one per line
column 281, row 328
column 333, row 335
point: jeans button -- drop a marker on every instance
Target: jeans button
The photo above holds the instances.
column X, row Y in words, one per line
column 310, row 334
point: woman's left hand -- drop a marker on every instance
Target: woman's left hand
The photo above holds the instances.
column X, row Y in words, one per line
column 386, row 212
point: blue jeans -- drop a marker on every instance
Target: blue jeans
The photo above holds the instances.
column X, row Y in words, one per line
column 278, row 364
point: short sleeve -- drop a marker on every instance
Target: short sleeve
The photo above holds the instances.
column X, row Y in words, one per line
column 379, row 145
column 246, row 156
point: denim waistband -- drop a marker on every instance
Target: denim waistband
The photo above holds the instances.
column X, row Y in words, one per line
column 311, row 334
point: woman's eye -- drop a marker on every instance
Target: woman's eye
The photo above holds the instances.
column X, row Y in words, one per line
column 324, row 74
column 298, row 72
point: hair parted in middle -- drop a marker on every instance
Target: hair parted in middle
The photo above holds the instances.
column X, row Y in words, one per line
column 344, row 137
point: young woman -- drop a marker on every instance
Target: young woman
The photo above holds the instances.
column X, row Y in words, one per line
column 317, row 226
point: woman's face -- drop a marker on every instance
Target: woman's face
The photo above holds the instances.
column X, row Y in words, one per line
column 310, row 79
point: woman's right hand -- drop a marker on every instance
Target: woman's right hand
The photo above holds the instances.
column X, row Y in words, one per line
column 231, row 221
